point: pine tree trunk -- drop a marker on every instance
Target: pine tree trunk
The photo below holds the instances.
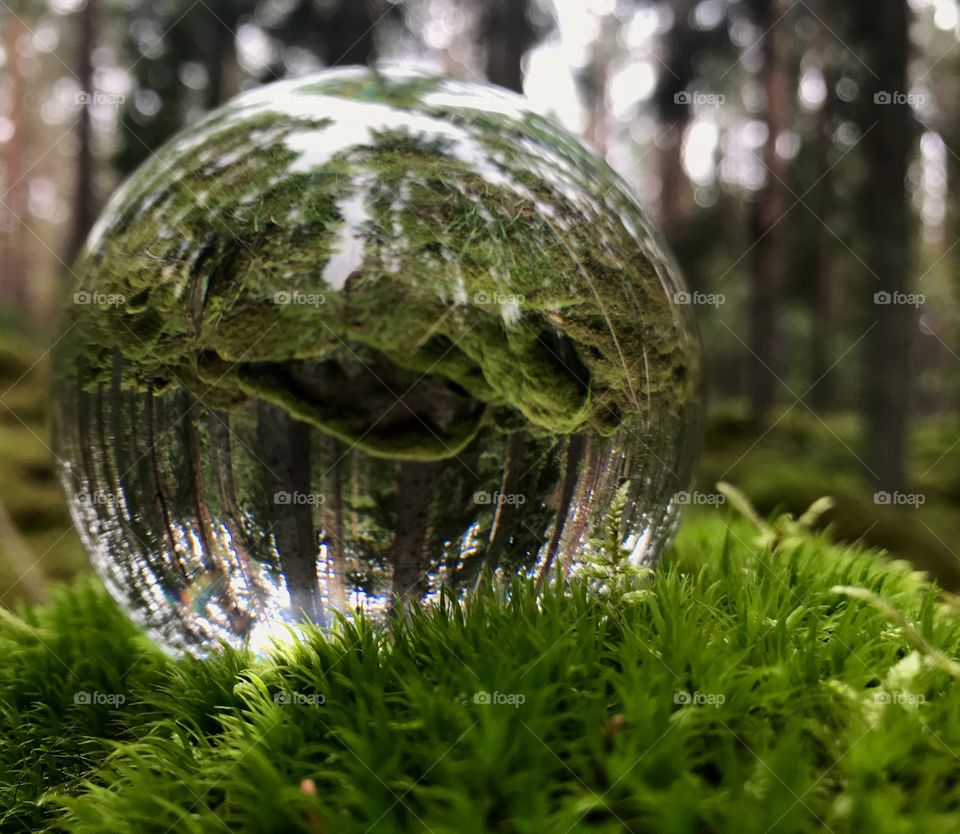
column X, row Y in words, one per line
column 576, row 445
column 284, row 447
column 504, row 515
column 416, row 482
column 768, row 253
column 351, row 38
column 13, row 274
column 673, row 108
column 823, row 296
column 84, row 199
column 508, row 35
column 885, row 222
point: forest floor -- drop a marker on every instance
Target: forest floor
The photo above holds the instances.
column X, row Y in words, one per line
column 801, row 457
column 783, row 685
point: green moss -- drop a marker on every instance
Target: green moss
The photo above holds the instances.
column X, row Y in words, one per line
column 823, row 712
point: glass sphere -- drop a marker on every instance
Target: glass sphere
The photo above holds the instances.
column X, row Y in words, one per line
column 358, row 337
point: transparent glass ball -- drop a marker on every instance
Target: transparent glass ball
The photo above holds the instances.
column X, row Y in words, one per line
column 358, row 337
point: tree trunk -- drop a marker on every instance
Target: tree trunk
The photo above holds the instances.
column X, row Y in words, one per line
column 284, row 447
column 823, row 300
column 160, row 493
column 193, row 412
column 416, row 482
column 673, row 108
column 508, row 35
column 768, row 253
column 596, row 79
column 334, row 527
column 504, row 515
column 84, row 199
column 576, row 445
column 886, row 226
column 220, row 59
column 350, row 40
column 13, row 274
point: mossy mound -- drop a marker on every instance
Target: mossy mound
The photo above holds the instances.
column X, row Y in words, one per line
column 742, row 692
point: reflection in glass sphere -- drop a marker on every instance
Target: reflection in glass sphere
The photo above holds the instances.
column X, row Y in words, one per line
column 359, row 336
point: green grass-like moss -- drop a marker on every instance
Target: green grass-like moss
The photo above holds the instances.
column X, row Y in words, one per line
column 802, row 741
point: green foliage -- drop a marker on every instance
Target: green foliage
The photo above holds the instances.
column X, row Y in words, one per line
column 609, row 570
column 786, row 532
column 749, row 690
column 801, row 457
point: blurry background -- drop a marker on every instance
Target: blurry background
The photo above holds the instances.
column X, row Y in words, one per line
column 801, row 156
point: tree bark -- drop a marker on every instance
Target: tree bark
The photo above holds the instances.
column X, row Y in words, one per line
column 84, row 199
column 673, row 109
column 508, row 35
column 885, row 220
column 284, row 447
column 160, row 493
column 221, row 57
column 768, row 228
column 505, row 513
column 823, row 296
column 333, row 523
column 13, row 275
column 576, row 444
column 350, row 39
column 416, row 482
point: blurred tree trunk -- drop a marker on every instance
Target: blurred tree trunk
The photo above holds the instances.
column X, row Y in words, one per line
column 505, row 512
column 416, row 484
column 508, row 34
column 595, row 80
column 220, row 60
column 885, row 220
column 823, row 300
column 768, row 264
column 84, row 199
column 349, row 35
column 672, row 99
column 13, row 274
column 576, row 445
column 333, row 522
column 948, row 127
column 284, row 448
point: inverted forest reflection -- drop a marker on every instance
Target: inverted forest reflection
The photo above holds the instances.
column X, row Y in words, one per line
column 213, row 525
